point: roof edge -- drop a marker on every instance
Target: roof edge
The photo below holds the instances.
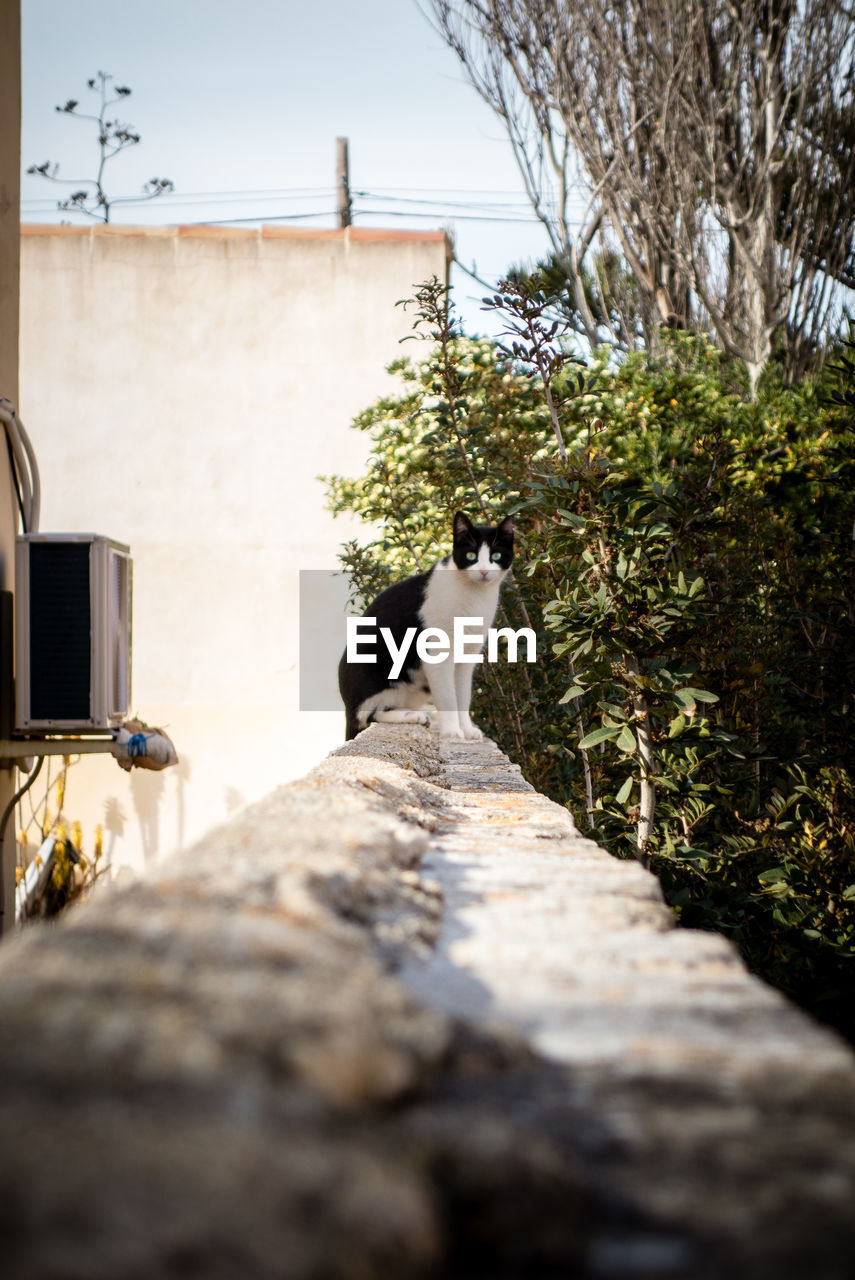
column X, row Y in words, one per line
column 210, row 231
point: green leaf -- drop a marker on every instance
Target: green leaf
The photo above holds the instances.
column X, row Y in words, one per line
column 626, row 740
column 688, row 697
column 575, row 691
column 612, row 709
column 623, row 795
column 684, row 698
column 703, row 695
column 599, row 735
column 774, row 875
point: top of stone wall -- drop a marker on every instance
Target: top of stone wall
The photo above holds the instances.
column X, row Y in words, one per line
column 401, row 1019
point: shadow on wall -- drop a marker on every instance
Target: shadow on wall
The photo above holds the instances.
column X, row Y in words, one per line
column 181, row 773
column 114, row 825
column 147, row 791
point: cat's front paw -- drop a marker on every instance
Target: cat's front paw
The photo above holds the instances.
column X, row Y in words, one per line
column 471, row 731
column 416, row 717
column 449, row 725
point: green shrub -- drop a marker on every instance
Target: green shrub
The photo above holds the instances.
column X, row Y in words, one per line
column 688, row 567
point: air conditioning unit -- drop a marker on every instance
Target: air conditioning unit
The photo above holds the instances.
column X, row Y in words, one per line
column 72, row 633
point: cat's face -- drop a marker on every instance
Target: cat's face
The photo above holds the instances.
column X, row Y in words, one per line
column 483, row 552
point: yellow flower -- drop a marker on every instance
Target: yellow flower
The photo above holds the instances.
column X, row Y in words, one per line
column 673, row 404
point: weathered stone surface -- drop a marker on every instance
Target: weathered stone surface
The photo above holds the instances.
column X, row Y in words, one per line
column 411, row 748
column 402, row 1020
column 714, row 1121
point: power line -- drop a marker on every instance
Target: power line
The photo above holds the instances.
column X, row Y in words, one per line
column 489, row 206
column 443, row 205
column 456, row 217
column 431, row 215
column 367, row 213
column 491, row 194
column 177, row 199
column 448, row 197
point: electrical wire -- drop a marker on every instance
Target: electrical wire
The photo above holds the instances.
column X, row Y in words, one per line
column 466, row 204
column 488, row 206
column 459, row 196
column 180, row 197
column 456, row 217
column 25, row 476
column 24, row 466
column 10, row 808
column 13, row 471
column 434, row 216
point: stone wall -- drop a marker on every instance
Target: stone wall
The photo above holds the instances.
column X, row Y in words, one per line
column 400, row 1020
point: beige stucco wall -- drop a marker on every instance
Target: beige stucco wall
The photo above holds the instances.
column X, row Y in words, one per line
column 184, row 388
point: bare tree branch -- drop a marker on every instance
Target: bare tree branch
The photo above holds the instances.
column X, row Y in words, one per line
column 718, row 143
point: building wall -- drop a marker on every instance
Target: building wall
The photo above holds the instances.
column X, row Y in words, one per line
column 184, row 388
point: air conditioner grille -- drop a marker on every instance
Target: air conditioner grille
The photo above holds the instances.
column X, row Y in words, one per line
column 60, row 635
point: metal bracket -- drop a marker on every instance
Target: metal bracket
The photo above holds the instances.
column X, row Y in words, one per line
column 14, row 749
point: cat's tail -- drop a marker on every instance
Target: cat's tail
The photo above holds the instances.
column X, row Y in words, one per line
column 351, row 727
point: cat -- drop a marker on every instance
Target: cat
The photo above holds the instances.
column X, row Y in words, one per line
column 463, row 585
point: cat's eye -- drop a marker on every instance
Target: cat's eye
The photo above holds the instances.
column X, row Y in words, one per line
column 496, row 556
column 471, row 557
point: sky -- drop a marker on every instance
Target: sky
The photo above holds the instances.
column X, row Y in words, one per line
column 240, row 104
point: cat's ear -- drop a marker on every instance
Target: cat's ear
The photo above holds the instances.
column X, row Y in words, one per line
column 506, row 529
column 463, row 526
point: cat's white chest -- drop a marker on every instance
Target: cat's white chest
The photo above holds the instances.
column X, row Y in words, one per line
column 453, row 594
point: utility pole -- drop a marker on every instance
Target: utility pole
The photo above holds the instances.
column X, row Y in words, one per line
column 342, row 183
column 10, row 217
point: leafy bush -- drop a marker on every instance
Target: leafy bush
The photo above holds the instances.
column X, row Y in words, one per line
column 687, row 564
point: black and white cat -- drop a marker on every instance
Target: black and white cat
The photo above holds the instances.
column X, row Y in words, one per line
column 462, row 585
